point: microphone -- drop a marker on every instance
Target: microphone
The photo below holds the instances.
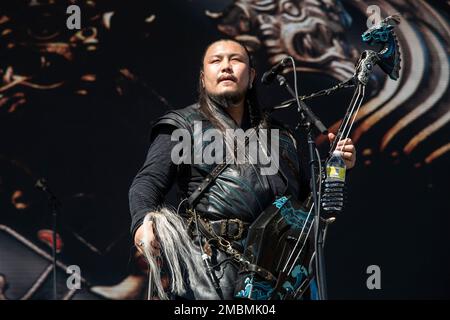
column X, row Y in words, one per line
column 270, row 75
column 41, row 184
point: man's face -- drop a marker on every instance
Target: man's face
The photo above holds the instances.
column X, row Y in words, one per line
column 226, row 71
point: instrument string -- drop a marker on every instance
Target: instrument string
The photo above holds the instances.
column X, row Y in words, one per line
column 348, row 122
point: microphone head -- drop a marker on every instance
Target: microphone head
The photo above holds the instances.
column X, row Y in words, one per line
column 270, row 75
column 285, row 61
column 41, row 184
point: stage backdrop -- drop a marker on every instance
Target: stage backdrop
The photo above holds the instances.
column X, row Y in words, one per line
column 76, row 107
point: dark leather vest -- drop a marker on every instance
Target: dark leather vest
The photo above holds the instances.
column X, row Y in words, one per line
column 240, row 191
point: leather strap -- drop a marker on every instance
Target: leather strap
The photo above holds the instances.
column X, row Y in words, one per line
column 209, row 179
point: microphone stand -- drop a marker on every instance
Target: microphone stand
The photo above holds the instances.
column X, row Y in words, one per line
column 307, row 120
column 54, row 204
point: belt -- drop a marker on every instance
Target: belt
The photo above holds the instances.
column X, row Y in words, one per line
column 230, row 229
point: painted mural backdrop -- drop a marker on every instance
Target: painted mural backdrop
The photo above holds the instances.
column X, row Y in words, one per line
column 76, row 107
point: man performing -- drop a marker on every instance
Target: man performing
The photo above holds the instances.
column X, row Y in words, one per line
column 223, row 201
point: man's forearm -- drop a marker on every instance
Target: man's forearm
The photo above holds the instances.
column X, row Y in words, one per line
column 153, row 180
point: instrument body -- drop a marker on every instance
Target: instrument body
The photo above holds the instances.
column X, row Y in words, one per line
column 272, row 242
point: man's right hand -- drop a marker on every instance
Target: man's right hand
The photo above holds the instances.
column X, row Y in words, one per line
column 155, row 249
column 154, row 243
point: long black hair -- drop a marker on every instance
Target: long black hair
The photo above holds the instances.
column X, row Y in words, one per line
column 251, row 99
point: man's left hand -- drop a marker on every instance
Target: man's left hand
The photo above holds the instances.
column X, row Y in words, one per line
column 348, row 150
